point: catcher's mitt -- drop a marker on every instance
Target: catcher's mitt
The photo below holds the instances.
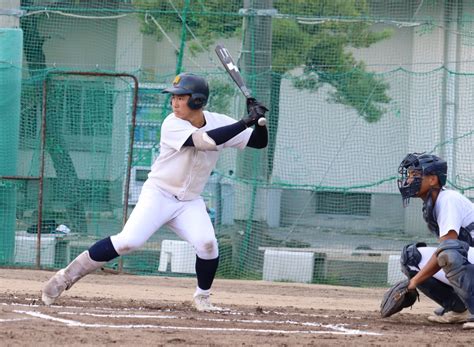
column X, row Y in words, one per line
column 397, row 298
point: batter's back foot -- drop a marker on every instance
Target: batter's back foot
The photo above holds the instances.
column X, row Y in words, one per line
column 65, row 278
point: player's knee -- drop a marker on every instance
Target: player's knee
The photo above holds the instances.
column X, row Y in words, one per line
column 125, row 246
column 458, row 246
column 210, row 246
column 410, row 258
column 452, row 255
column 208, row 249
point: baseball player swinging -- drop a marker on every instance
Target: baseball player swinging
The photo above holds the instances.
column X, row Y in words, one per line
column 191, row 141
column 445, row 273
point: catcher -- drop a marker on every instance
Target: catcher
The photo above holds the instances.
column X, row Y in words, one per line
column 445, row 273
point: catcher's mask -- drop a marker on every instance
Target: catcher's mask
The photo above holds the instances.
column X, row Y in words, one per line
column 416, row 165
column 193, row 85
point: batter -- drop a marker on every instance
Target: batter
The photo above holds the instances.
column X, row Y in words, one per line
column 191, row 141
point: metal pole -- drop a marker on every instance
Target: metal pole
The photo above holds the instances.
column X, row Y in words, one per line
column 179, row 64
column 41, row 175
column 256, row 67
column 452, row 52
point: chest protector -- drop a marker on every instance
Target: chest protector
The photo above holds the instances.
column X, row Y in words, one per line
column 430, row 219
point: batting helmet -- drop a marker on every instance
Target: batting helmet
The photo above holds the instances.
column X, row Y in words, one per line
column 426, row 164
column 193, row 85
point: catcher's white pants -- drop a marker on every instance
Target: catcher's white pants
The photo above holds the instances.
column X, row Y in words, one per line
column 155, row 208
column 427, row 252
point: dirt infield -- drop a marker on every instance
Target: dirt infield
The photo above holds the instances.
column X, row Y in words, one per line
column 105, row 309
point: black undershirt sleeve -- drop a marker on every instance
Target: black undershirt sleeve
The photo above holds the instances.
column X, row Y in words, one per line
column 258, row 139
column 222, row 134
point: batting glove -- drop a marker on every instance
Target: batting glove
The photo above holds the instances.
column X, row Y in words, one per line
column 256, row 110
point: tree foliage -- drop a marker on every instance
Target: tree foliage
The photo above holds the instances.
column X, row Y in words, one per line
column 317, row 36
column 203, row 18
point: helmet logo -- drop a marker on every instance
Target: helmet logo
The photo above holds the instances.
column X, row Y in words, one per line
column 176, row 80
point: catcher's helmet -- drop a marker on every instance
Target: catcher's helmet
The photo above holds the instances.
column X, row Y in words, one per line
column 189, row 84
column 425, row 164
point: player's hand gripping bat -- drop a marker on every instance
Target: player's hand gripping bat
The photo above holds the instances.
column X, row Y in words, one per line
column 255, row 109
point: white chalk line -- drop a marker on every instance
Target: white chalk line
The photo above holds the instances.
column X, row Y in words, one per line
column 98, row 308
column 102, row 315
column 309, row 314
column 338, row 327
column 12, row 320
column 230, row 313
column 220, row 320
column 337, row 330
column 200, row 319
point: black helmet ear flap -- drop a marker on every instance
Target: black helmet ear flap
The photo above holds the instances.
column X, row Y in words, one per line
column 197, row 101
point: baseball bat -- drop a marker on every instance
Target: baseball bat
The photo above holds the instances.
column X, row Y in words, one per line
column 232, row 69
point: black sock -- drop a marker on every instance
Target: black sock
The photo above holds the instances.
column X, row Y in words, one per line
column 103, row 250
column 206, row 271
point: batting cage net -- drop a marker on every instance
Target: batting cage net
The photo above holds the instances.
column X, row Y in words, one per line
column 352, row 87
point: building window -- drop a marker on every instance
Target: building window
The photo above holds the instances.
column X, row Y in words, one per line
column 341, row 203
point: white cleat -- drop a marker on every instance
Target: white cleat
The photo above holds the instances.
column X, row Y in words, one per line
column 450, row 317
column 468, row 325
column 47, row 300
column 202, row 303
column 470, row 322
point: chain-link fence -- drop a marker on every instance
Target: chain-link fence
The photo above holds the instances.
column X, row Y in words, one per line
column 352, row 86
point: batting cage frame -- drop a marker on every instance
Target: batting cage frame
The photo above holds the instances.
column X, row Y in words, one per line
column 40, row 178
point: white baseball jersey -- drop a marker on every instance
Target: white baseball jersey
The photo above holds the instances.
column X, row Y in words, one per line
column 183, row 170
column 453, row 211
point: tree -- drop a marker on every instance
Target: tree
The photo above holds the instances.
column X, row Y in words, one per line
column 313, row 34
column 320, row 44
column 203, row 19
